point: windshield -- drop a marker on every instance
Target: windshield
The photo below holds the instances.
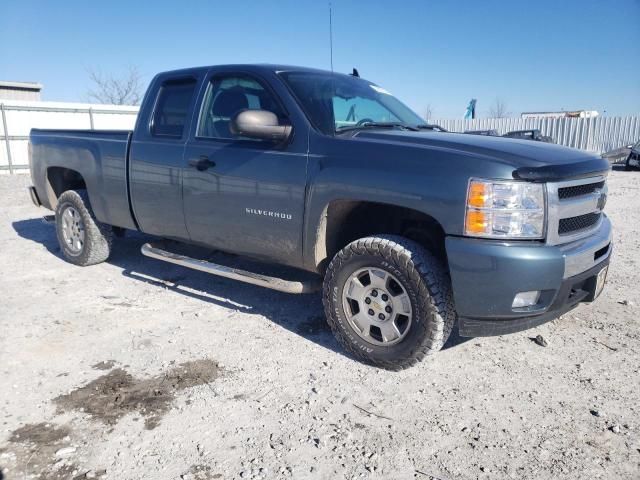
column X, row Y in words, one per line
column 336, row 103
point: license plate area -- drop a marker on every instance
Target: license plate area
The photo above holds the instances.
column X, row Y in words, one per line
column 595, row 284
column 601, row 279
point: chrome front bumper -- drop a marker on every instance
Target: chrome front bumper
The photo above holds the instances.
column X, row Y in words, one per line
column 582, row 255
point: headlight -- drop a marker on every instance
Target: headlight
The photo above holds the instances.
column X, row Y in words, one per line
column 504, row 209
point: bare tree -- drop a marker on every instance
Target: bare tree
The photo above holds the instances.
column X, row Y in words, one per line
column 498, row 109
column 428, row 113
column 125, row 90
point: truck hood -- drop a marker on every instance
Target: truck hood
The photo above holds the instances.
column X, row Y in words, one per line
column 531, row 160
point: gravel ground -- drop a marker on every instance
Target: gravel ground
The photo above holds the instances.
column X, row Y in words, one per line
column 139, row 369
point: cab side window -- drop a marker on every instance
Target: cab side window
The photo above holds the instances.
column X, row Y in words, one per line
column 228, row 95
column 172, row 107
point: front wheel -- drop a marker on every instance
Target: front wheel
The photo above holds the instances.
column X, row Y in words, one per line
column 388, row 301
column 83, row 240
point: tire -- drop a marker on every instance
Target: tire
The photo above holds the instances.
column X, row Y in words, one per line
column 410, row 273
column 91, row 246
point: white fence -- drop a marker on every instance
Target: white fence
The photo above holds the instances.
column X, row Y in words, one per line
column 19, row 117
column 599, row 134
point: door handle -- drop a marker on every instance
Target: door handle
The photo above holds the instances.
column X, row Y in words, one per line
column 202, row 163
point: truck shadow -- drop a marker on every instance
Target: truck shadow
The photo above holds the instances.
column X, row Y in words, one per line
column 300, row 314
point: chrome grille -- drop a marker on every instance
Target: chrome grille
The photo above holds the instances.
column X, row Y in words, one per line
column 574, row 208
column 574, row 224
column 579, row 190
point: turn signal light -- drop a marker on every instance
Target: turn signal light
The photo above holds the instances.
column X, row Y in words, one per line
column 479, row 194
column 477, row 222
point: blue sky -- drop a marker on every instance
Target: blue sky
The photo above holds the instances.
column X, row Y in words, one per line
column 543, row 55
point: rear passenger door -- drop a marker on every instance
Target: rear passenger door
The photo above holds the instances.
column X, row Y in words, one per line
column 156, row 157
column 250, row 198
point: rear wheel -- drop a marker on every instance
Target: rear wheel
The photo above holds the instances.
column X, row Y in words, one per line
column 83, row 240
column 388, row 301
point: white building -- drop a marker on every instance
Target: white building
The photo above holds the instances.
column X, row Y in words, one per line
column 20, row 91
column 562, row 114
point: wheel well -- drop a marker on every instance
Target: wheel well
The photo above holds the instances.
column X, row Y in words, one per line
column 345, row 221
column 61, row 179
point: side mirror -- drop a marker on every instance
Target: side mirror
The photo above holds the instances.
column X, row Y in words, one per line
column 260, row 124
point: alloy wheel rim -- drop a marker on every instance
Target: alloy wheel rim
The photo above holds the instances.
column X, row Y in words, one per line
column 72, row 230
column 377, row 306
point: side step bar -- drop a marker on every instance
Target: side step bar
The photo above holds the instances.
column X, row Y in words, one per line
column 273, row 283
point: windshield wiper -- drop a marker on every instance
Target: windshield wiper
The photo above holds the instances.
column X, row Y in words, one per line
column 403, row 126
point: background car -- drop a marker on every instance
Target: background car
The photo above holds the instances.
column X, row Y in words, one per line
column 633, row 160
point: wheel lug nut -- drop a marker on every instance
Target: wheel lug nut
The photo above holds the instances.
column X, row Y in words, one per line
column 381, row 316
column 387, row 309
column 374, row 293
column 370, row 312
column 367, row 300
column 385, row 297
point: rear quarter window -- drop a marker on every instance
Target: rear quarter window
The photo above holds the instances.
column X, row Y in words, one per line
column 172, row 107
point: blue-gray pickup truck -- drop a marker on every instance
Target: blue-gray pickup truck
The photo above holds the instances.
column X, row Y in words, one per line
column 406, row 229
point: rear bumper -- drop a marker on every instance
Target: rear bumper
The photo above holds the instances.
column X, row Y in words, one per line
column 486, row 276
column 34, row 197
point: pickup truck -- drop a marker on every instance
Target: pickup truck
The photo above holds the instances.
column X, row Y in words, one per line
column 406, row 229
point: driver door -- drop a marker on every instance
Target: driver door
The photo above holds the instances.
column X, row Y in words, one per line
column 247, row 195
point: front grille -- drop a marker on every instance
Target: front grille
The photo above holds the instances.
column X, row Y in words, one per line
column 575, row 224
column 574, row 208
column 579, row 190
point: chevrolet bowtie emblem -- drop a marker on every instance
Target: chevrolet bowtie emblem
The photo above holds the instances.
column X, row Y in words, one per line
column 602, row 200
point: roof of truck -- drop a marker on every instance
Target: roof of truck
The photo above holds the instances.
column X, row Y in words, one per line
column 255, row 67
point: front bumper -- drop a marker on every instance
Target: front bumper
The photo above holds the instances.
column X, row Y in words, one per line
column 486, row 276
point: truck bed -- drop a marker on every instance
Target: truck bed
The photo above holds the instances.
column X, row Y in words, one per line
column 99, row 156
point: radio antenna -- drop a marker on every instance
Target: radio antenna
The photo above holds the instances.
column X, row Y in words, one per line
column 330, row 37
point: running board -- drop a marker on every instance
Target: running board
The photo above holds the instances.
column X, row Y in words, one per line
column 273, row 283
column 49, row 219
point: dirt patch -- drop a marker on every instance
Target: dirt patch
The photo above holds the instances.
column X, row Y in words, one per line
column 39, row 434
column 39, row 450
column 112, row 396
column 200, row 472
column 104, row 365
